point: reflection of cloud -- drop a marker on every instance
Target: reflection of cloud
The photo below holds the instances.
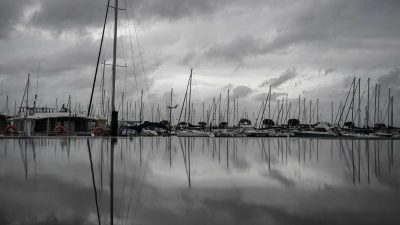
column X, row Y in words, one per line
column 54, row 219
column 51, row 195
column 280, row 177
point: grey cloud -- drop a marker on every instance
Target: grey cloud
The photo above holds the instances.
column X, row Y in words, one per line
column 60, row 15
column 228, row 86
column 11, row 13
column 329, row 71
column 242, row 91
column 261, row 97
column 322, row 25
column 236, row 49
column 274, row 96
column 286, row 76
column 390, row 79
column 175, row 9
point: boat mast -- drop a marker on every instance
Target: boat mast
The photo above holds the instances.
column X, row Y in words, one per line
column 379, row 97
column 219, row 109
column 190, row 95
column 359, row 102
column 298, row 117
column 227, row 111
column 391, row 113
column 317, row 110
column 170, row 111
column 98, row 58
column 388, row 110
column 367, row 112
column 114, row 113
column 141, row 107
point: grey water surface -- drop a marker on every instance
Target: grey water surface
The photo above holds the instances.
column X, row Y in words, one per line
column 176, row 180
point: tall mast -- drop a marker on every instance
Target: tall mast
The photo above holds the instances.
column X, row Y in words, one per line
column 367, row 112
column 114, row 114
column 237, row 107
column 391, row 112
column 310, row 110
column 141, row 107
column 170, row 110
column 375, row 94
column 219, row 109
column 304, row 111
column 6, row 107
column 332, row 112
column 227, row 111
column 190, row 94
column 102, row 89
column 352, row 102
column 234, row 111
column 379, row 108
column 317, row 110
column 298, row 117
column 27, row 94
column 269, row 103
column 203, row 114
column 359, row 102
column 388, row 110
column 98, row 58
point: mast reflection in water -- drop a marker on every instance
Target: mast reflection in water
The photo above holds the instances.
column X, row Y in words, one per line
column 199, row 181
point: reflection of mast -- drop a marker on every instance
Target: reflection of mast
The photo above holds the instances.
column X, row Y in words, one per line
column 367, row 152
column 113, row 142
column 94, row 182
column 227, row 153
column 186, row 158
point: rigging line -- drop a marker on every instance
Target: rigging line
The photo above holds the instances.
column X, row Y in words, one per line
column 362, row 96
column 94, row 182
column 342, row 110
column 131, row 192
column 140, row 51
column 37, row 79
column 133, row 59
column 98, row 58
column 351, row 106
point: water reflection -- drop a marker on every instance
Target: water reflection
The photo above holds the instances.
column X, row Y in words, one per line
column 198, row 180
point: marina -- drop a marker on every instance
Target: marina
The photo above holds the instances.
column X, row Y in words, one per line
column 199, row 112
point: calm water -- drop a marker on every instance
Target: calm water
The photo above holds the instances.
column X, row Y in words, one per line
column 200, row 181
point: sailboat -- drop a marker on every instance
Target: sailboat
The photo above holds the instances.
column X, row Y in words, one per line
column 185, row 129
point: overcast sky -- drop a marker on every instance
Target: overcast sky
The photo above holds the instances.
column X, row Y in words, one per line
column 309, row 48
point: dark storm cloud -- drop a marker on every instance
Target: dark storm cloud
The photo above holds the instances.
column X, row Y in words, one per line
column 283, row 78
column 242, row 91
column 69, row 56
column 236, row 49
column 59, row 15
column 11, row 13
column 176, row 9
